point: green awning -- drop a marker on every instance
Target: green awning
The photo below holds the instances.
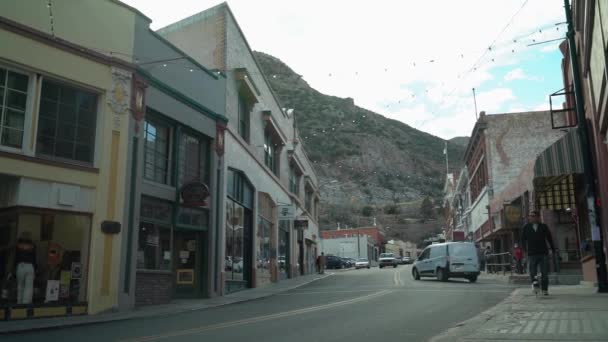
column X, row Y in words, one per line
column 563, row 158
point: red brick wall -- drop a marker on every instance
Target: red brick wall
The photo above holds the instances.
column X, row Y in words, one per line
column 334, row 234
column 153, row 288
column 479, row 176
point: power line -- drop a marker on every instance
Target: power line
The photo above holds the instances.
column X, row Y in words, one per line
column 51, row 18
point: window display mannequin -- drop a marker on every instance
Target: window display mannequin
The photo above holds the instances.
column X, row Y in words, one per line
column 25, row 260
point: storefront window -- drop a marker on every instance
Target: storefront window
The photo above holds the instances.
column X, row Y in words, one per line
column 283, row 261
column 44, row 257
column 193, row 218
column 264, row 245
column 235, row 225
column 239, row 227
column 154, row 243
column 154, row 252
column 263, row 252
column 156, row 210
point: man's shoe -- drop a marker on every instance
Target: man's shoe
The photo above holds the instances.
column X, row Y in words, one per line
column 545, row 293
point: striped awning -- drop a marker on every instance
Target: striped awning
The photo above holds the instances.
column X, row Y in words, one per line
column 562, row 158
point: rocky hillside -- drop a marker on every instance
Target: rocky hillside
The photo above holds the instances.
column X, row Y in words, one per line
column 362, row 158
column 462, row 141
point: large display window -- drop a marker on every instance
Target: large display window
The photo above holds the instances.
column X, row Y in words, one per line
column 239, row 228
column 284, row 250
column 43, row 257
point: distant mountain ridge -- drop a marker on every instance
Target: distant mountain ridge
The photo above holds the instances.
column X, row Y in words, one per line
column 462, row 141
column 361, row 157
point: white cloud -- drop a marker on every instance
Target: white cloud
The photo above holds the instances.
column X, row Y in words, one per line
column 370, row 52
column 550, row 48
column 519, row 74
column 515, row 74
column 492, row 101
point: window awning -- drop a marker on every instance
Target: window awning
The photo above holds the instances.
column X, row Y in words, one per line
column 246, row 85
column 273, row 128
column 563, row 158
column 293, row 159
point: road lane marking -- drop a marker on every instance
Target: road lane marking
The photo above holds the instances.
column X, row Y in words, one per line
column 321, row 292
column 245, row 321
column 402, row 289
column 397, row 281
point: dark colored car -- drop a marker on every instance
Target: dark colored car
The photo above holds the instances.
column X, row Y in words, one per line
column 349, row 262
column 334, row 262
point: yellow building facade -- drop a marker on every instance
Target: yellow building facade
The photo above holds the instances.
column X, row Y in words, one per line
column 65, row 101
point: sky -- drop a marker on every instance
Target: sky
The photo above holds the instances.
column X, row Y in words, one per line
column 410, row 60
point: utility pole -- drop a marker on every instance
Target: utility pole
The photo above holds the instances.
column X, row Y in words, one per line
column 358, row 245
column 596, row 231
column 475, row 101
column 447, row 165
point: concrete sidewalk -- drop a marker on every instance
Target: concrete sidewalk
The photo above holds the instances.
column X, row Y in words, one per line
column 569, row 313
column 175, row 307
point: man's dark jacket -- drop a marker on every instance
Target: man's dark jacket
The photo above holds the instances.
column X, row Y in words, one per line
column 535, row 242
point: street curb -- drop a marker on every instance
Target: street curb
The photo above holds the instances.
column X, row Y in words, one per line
column 132, row 316
column 462, row 330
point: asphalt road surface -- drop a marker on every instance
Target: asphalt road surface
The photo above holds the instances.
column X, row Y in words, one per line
column 354, row 305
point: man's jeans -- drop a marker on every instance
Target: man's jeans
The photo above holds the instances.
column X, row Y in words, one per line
column 543, row 260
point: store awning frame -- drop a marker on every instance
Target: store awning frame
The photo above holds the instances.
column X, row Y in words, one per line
column 563, row 158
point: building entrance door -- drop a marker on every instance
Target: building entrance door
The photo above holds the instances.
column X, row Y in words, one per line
column 187, row 265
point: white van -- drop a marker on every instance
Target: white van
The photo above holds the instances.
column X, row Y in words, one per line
column 448, row 260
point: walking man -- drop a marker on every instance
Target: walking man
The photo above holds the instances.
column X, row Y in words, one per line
column 321, row 263
column 534, row 239
column 482, row 258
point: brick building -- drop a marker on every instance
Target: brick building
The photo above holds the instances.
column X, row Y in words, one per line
column 590, row 23
column 500, row 147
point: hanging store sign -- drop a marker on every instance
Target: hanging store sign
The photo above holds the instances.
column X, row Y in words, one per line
column 513, row 215
column 300, row 223
column 194, row 194
column 287, row 212
column 220, row 130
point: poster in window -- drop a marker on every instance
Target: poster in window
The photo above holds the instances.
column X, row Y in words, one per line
column 64, row 284
column 52, row 291
column 191, row 245
column 76, row 270
column 185, row 276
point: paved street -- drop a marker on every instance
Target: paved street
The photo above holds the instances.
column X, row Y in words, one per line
column 355, row 305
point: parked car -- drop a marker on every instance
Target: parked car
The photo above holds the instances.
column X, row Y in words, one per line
column 406, row 260
column 350, row 262
column 332, row 261
column 398, row 259
column 362, row 263
column 387, row 259
column 448, row 260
